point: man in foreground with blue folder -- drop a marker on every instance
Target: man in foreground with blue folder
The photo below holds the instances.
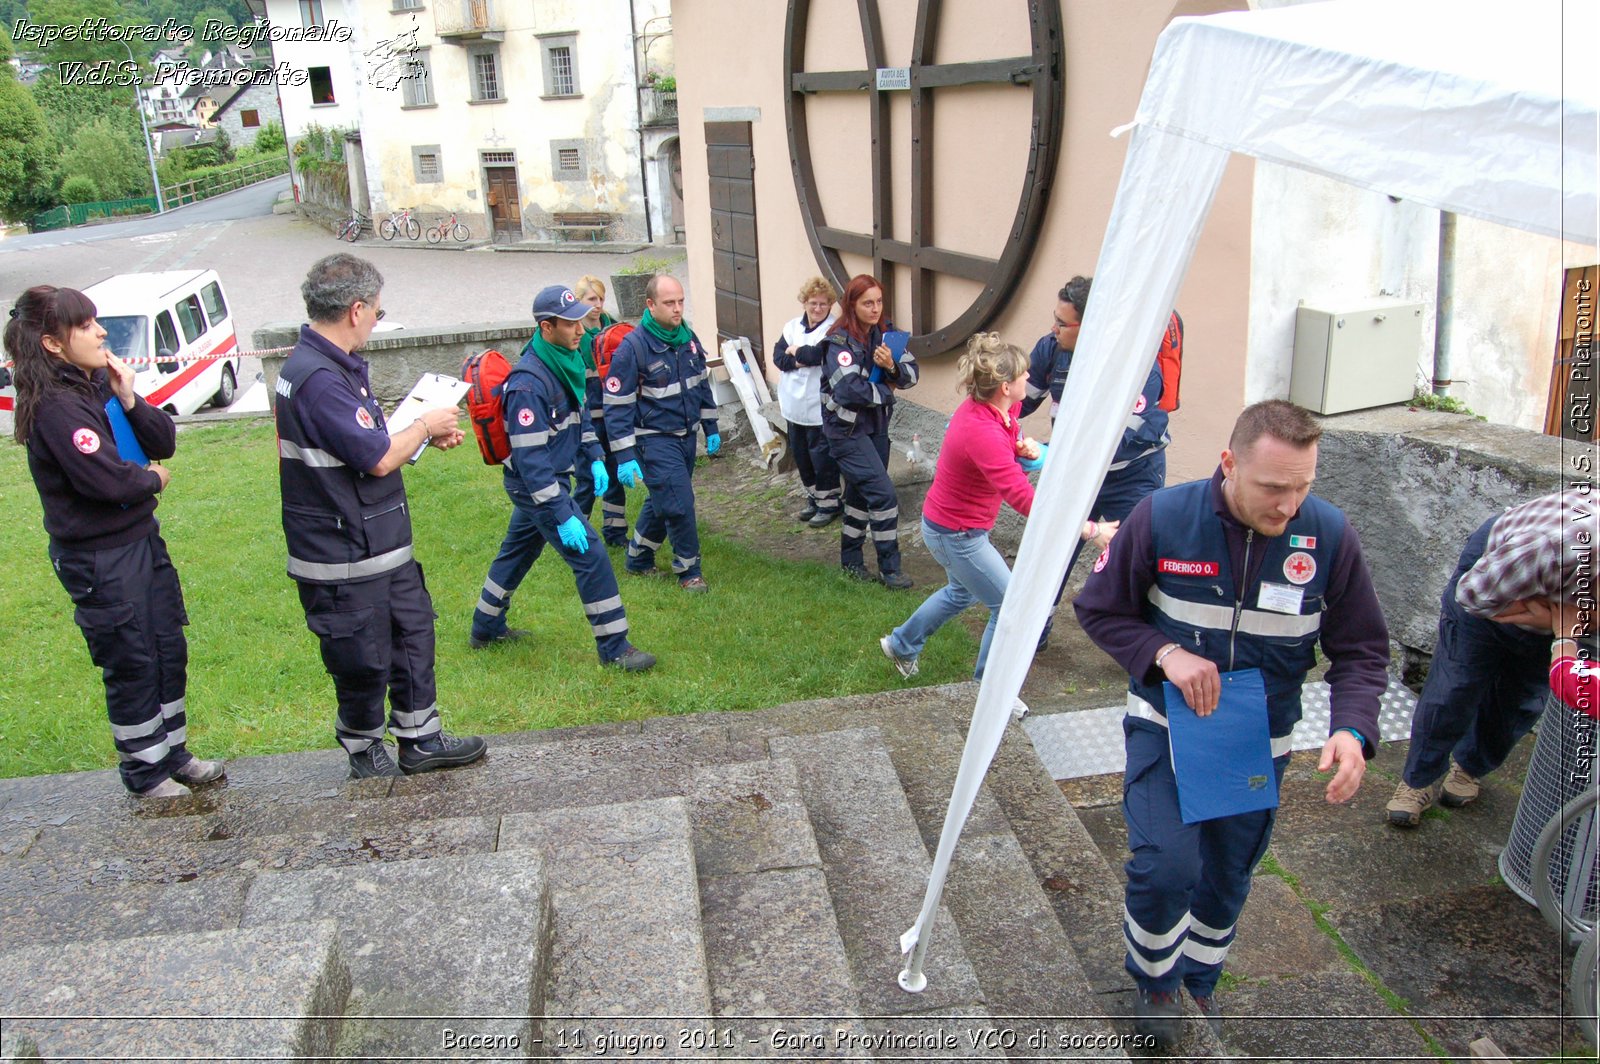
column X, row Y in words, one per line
column 1242, row 573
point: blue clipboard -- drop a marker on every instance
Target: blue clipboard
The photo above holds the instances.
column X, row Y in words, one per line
column 895, row 340
column 1223, row 761
column 128, row 447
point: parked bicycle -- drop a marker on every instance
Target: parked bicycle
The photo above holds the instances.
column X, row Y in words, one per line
column 351, row 230
column 450, row 225
column 400, row 222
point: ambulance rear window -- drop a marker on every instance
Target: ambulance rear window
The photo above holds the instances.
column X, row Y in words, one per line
column 216, row 309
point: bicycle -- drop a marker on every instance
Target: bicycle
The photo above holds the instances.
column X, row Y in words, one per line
column 351, row 230
column 450, row 225
column 400, row 222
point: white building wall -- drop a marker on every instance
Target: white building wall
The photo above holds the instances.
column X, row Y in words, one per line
column 344, row 61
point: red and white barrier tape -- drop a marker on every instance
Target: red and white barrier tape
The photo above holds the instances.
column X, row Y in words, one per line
column 153, row 360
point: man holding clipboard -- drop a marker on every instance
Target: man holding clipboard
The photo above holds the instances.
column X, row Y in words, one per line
column 1222, row 589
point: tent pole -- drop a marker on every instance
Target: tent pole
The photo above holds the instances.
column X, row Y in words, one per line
column 1444, row 305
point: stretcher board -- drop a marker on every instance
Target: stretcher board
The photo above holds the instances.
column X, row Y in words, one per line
column 740, row 374
column 759, row 378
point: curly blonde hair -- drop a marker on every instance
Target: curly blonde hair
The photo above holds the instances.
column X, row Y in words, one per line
column 817, row 286
column 988, row 363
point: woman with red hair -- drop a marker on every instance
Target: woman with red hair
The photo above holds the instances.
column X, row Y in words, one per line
column 860, row 377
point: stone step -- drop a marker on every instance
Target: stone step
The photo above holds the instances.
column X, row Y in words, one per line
column 289, row 984
column 447, row 954
column 627, row 939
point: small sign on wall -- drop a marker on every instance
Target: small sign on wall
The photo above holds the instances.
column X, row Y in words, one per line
column 894, row 77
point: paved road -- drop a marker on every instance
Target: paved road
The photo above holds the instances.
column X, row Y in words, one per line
column 251, row 202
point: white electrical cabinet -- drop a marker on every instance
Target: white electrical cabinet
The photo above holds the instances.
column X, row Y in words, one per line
column 1361, row 355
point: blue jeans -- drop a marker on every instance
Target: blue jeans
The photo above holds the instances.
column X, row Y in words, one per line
column 977, row 573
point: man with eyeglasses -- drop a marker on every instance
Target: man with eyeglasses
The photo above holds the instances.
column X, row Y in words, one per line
column 1139, row 465
column 348, row 527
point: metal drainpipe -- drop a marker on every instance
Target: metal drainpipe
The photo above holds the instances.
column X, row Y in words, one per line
column 1444, row 304
column 638, row 113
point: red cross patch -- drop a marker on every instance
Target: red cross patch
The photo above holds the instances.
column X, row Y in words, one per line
column 524, row 417
column 845, row 359
column 86, row 440
column 1299, row 567
column 364, row 417
column 1138, row 405
column 613, row 385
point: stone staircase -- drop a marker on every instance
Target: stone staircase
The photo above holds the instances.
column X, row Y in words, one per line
column 724, row 885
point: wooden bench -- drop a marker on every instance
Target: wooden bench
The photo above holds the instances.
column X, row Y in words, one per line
column 595, row 223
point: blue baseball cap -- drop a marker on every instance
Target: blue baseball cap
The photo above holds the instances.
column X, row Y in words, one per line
column 557, row 301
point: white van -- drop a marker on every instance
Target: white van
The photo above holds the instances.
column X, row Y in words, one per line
column 176, row 330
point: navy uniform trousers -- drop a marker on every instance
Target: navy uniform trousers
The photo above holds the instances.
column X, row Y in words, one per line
column 1486, row 687
column 1187, row 883
column 668, row 513
column 819, row 473
column 377, row 640
column 531, row 528
column 130, row 610
column 613, row 504
column 870, row 503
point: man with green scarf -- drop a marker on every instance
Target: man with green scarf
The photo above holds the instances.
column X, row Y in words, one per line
column 550, row 432
column 657, row 393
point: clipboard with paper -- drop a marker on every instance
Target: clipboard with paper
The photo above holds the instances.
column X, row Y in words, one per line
column 431, row 390
column 1223, row 761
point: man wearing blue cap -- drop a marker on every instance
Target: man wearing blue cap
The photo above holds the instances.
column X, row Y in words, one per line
column 550, row 432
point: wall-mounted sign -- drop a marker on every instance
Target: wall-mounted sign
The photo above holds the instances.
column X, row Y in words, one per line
column 894, row 78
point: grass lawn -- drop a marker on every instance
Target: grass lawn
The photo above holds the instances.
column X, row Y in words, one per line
column 771, row 631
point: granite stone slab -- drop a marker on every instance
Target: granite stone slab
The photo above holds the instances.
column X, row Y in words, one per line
column 965, row 1033
column 749, row 817
column 1326, row 1014
column 129, row 911
column 627, row 933
column 457, row 943
column 877, row 870
column 288, row 982
column 14, row 842
column 927, row 760
column 1277, row 936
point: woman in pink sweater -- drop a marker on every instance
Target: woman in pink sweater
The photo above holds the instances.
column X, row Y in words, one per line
column 981, row 462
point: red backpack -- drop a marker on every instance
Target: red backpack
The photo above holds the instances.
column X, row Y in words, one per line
column 606, row 344
column 1170, row 358
column 486, row 372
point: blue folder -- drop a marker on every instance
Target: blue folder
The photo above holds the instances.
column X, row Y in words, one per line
column 1223, row 761
column 122, row 431
column 895, row 340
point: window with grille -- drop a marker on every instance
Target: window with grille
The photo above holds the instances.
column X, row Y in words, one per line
column 485, row 76
column 560, row 64
column 427, row 163
column 499, row 158
column 568, row 160
column 428, row 167
column 416, row 89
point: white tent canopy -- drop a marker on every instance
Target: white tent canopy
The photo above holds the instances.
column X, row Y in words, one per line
column 1477, row 107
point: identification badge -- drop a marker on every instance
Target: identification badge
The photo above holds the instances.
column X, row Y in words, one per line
column 1280, row 598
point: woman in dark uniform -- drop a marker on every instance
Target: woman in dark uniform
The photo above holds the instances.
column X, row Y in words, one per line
column 105, row 544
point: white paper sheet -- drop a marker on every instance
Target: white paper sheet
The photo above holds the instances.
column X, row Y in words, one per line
column 431, row 390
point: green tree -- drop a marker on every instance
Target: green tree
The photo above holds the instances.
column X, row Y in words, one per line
column 26, row 173
column 224, row 146
column 111, row 158
column 270, row 137
column 79, row 189
column 73, row 12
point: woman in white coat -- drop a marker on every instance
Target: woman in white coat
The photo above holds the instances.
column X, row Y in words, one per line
column 798, row 355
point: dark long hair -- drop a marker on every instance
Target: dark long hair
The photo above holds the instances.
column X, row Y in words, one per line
column 859, row 286
column 43, row 310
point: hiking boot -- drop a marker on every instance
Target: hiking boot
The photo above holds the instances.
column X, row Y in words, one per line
column 1211, row 1009
column 808, row 513
column 373, row 761
column 907, row 666
column 824, row 518
column 510, row 635
column 440, row 751
column 1405, row 809
column 197, row 771
column 167, row 788
column 616, row 541
column 645, row 571
column 1157, row 1014
column 632, row 660
column 694, row 584
column 859, row 572
column 897, row 581
column 1458, row 788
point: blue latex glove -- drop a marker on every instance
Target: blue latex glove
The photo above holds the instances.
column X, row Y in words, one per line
column 573, row 535
column 1036, row 463
column 602, row 479
column 714, row 443
column 630, row 474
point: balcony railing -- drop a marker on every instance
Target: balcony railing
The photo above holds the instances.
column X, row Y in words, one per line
column 661, row 109
column 468, row 20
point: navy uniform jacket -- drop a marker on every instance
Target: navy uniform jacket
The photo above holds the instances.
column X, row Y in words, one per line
column 549, row 434
column 656, row 388
column 1146, row 429
column 851, row 400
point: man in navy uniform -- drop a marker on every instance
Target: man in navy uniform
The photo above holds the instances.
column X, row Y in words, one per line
column 348, row 526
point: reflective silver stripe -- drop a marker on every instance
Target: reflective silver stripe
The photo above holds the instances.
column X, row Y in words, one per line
column 645, row 543
column 1155, row 969
column 880, row 535
column 529, row 439
column 1197, row 928
column 663, row 392
column 1035, row 392
column 415, row 718
column 311, row 456
column 707, row 413
column 611, row 628
column 623, row 444
column 150, row 755
column 545, row 494
column 680, row 564
column 1114, row 466
column 1138, row 707
column 1203, row 953
column 1252, row 622
column 841, row 412
column 595, row 609
column 1134, row 423
column 1150, row 940
column 826, row 493
column 696, row 379
column 851, row 511
column 178, row 736
column 125, row 732
column 172, row 709
column 494, row 589
column 612, row 399
column 350, row 570
column 487, row 607
column 433, row 727
column 884, row 515
column 567, row 422
column 840, row 374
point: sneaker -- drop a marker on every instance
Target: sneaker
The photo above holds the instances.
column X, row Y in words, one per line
column 633, row 660
column 1458, row 788
column 1211, row 1009
column 897, row 581
column 1019, row 709
column 510, row 635
column 808, row 513
column 440, row 751
column 824, row 518
column 372, row 762
column 859, row 572
column 694, row 584
column 167, row 788
column 1405, row 809
column 907, row 666
column 197, row 771
column 1157, row 1014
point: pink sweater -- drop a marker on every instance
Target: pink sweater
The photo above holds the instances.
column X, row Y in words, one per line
column 977, row 468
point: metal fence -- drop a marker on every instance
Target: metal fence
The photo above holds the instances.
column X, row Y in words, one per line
column 78, row 213
column 224, row 181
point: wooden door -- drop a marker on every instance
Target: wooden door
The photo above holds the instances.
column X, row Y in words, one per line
column 505, row 206
column 735, row 266
column 1571, row 411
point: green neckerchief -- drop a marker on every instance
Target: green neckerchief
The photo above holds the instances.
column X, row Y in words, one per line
column 567, row 365
column 681, row 335
column 586, row 345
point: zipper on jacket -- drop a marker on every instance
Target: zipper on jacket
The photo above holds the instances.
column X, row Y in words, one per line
column 1238, row 603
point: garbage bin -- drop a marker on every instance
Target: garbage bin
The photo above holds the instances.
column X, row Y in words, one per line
column 1562, row 767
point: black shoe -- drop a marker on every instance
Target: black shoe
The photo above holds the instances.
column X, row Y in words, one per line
column 859, row 572
column 808, row 513
column 1158, row 1015
column 510, row 635
column 897, row 581
column 633, row 660
column 631, row 571
column 1211, row 1009
column 373, row 761
column 824, row 518
column 440, row 751
column 616, row 541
